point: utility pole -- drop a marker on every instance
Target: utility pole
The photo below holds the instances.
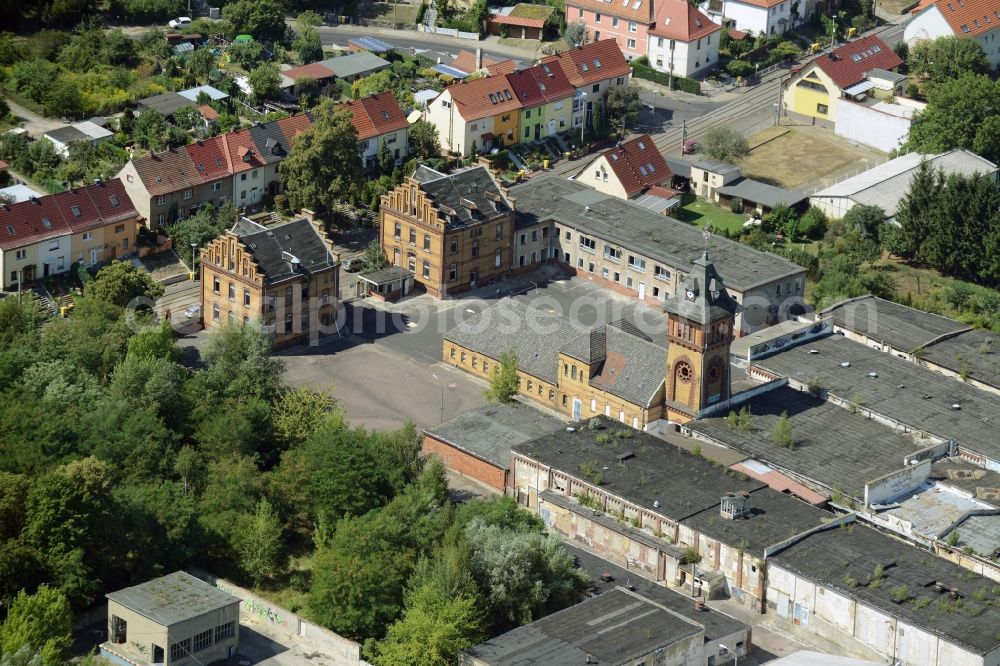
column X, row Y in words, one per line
column 684, row 134
column 671, row 85
column 652, row 109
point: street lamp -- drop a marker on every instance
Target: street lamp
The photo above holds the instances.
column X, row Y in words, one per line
column 451, row 385
column 736, row 657
column 583, row 114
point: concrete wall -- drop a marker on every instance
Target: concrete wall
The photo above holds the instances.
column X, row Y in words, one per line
column 253, row 609
column 816, row 609
column 143, row 636
column 896, row 483
column 870, row 126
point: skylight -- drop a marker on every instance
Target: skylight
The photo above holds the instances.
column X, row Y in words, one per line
column 47, row 223
column 584, row 67
column 597, row 63
column 652, row 169
column 76, row 210
column 114, row 200
column 506, row 95
column 493, row 98
column 385, row 115
column 643, row 171
column 642, row 145
column 542, row 86
column 10, row 229
column 614, row 156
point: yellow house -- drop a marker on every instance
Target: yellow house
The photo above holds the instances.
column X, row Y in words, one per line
column 812, row 92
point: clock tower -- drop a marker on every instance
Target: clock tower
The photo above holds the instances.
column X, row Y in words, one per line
column 699, row 332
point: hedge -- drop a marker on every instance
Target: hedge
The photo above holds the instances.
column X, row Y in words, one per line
column 641, row 69
column 421, row 12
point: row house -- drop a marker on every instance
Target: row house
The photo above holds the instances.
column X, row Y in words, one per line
column 239, row 166
column 452, row 232
column 675, row 35
column 242, row 166
column 46, row 235
column 765, row 17
column 379, row 121
column 554, row 96
column 546, row 98
column 285, row 276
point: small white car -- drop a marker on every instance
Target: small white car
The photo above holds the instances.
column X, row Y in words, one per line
column 192, row 311
column 180, row 22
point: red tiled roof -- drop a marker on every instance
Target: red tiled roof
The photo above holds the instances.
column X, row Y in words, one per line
column 638, row 164
column 502, row 67
column 313, row 71
column 640, row 11
column 466, row 61
column 766, row 4
column 3, row 165
column 243, row 153
column 472, row 98
column 593, row 62
column 738, row 35
column 166, row 172
column 680, row 21
column 207, row 112
column 210, row 158
column 292, row 126
column 847, row 65
column 376, row 115
column 526, row 89
column 552, row 82
column 967, row 18
column 73, row 211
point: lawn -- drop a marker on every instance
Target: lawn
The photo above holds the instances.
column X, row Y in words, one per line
column 700, row 212
column 789, row 157
column 383, row 11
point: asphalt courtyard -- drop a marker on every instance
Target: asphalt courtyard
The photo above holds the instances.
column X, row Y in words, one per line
column 385, row 366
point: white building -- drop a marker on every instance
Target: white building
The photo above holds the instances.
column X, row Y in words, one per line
column 974, row 19
column 771, row 17
column 683, row 40
column 85, row 131
column 878, row 123
column 886, row 184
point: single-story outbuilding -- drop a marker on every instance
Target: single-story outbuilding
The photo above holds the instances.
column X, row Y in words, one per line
column 477, row 443
column 759, row 197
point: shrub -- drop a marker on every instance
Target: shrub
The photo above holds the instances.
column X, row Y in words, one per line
column 736, row 205
column 739, row 68
column 900, row 593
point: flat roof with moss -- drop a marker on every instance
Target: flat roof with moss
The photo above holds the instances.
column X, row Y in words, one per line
column 173, row 598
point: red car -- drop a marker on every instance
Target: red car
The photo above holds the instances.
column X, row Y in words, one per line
column 690, row 147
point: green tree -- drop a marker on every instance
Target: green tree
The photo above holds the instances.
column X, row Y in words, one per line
column 372, row 84
column 201, row 62
column 258, row 543
column 187, row 118
column 960, row 113
column 248, row 54
column 308, row 46
column 265, row 82
column 63, row 98
column 867, row 220
column 239, row 364
column 149, row 129
column 145, row 12
column 434, row 629
column 623, row 106
column 120, row 282
column 424, row 140
column 726, row 144
column 782, row 432
column 780, row 220
column 308, row 90
column 813, row 223
column 384, row 159
column 918, row 200
column 325, row 165
column 575, row 34
column 504, row 380
column 374, row 256
column 263, row 19
column 41, row 621
column 299, row 414
column 522, row 575
column 233, row 486
column 149, row 383
column 947, row 58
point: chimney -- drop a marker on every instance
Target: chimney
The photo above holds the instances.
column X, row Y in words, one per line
column 479, row 59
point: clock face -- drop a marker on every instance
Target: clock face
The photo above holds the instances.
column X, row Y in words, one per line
column 690, row 294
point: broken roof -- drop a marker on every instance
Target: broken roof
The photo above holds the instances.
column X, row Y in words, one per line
column 281, row 251
column 467, row 196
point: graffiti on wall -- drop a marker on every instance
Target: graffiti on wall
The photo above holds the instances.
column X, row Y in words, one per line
column 262, row 611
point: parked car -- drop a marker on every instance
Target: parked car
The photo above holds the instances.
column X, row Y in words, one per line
column 353, row 264
column 180, row 22
column 690, row 147
column 192, row 311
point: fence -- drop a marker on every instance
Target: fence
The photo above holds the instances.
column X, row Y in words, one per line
column 644, row 71
column 341, row 651
column 449, row 32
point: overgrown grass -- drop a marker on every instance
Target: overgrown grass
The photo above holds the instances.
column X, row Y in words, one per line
column 702, row 213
